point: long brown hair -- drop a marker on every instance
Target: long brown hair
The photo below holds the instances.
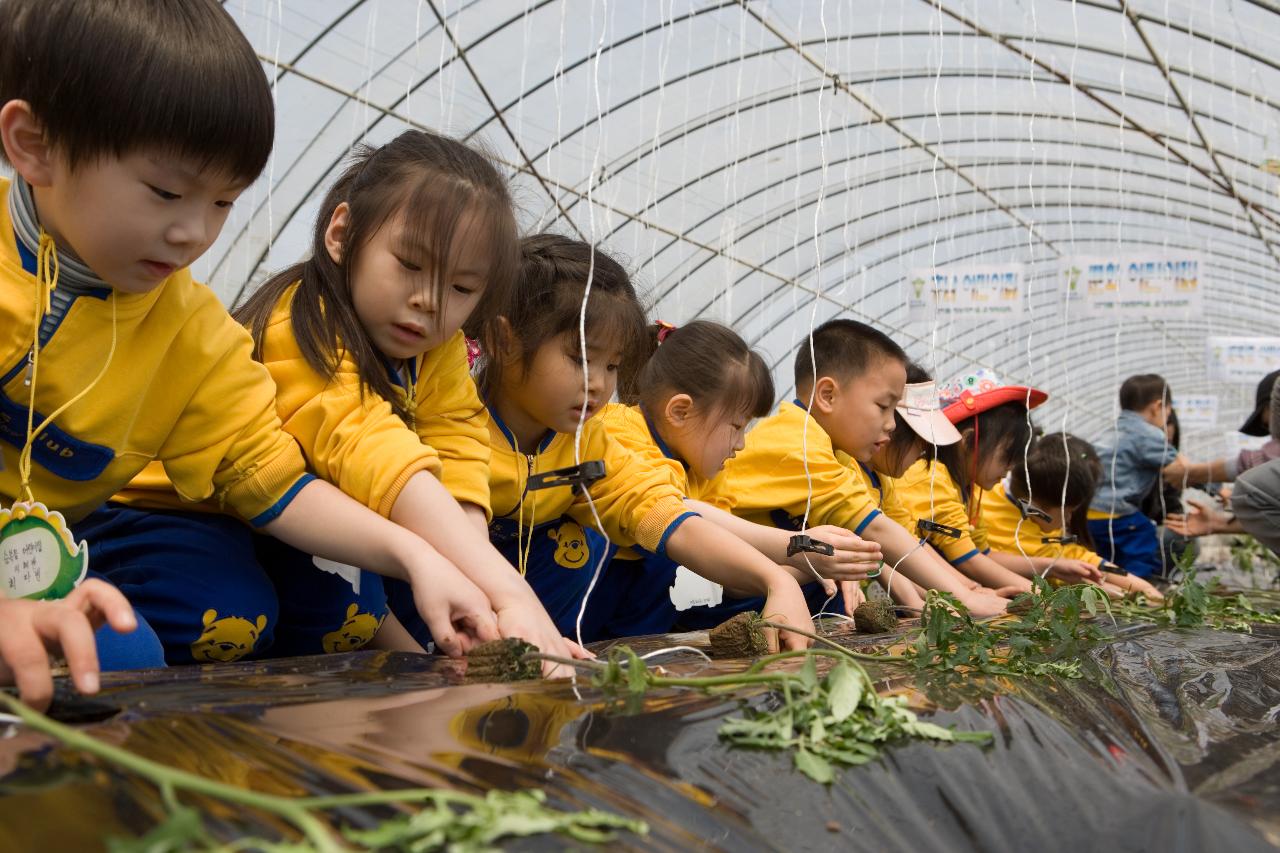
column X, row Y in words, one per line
column 706, row 360
column 546, row 302
column 447, row 191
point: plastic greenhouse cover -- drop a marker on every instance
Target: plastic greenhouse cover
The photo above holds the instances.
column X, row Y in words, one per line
column 1170, row 743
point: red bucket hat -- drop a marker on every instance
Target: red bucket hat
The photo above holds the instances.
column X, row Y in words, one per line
column 980, row 391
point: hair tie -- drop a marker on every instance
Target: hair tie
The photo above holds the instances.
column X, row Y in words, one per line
column 473, row 352
column 664, row 330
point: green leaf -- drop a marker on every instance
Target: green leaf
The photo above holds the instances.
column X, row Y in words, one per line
column 816, row 768
column 845, row 686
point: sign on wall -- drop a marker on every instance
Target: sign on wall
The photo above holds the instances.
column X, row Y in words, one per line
column 1144, row 285
column 1241, row 359
column 1196, row 413
column 990, row 292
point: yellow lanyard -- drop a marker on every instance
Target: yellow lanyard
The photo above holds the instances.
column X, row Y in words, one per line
column 47, row 272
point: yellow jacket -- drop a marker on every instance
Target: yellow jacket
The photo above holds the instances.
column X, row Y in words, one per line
column 356, row 441
column 766, row 482
column 182, row 388
column 638, row 503
column 928, row 491
column 1001, row 517
column 883, row 490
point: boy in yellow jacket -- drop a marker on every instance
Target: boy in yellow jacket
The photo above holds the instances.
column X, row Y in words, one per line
column 850, row 378
column 111, row 356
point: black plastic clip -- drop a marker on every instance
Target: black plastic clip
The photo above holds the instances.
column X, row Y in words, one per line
column 925, row 527
column 1059, row 540
column 578, row 476
column 802, row 543
column 1113, row 569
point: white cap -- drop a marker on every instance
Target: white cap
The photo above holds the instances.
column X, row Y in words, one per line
column 922, row 411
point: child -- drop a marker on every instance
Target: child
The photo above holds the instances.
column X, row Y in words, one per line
column 365, row 345
column 919, row 427
column 687, row 411
column 542, row 407
column 995, row 429
column 1135, row 454
column 849, row 379
column 132, row 127
column 1039, row 509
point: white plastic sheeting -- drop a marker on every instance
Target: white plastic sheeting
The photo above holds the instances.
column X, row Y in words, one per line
column 776, row 164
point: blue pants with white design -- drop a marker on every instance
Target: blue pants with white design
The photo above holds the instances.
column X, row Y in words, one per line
column 213, row 591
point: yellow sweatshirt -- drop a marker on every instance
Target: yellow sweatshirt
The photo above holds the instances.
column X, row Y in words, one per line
column 766, row 482
column 638, row 503
column 356, row 441
column 1001, row 516
column 182, row 388
column 883, row 491
column 928, row 491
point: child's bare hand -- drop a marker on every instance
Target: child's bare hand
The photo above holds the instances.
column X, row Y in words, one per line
column 853, row 596
column 457, row 613
column 785, row 605
column 853, row 559
column 535, row 627
column 1076, row 571
column 1201, row 519
column 34, row 629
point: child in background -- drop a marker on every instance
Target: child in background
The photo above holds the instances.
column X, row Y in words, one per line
column 687, row 411
column 364, row 341
column 542, row 409
column 849, row 379
column 919, row 427
column 1135, row 454
column 995, row 430
column 1040, row 509
column 131, row 128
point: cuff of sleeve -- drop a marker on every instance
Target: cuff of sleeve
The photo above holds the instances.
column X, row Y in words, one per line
column 955, row 561
column 262, row 487
column 388, row 500
column 863, row 524
column 671, row 528
column 1233, row 466
column 272, row 512
column 468, row 489
column 653, row 528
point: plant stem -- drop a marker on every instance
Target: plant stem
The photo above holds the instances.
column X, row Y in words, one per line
column 857, row 656
column 170, row 778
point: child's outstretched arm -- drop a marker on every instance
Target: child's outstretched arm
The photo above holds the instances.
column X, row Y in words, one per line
column 1183, row 472
column 31, row 630
column 723, row 558
column 925, row 567
column 1063, row 568
column 427, row 508
column 853, row 559
column 323, row 521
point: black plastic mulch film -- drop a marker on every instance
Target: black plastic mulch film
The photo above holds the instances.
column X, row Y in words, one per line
column 1170, row 743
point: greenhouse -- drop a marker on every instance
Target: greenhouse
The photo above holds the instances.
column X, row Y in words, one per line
column 708, row 425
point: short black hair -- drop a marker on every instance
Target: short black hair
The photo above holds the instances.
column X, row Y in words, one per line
column 1138, row 392
column 111, row 77
column 843, row 350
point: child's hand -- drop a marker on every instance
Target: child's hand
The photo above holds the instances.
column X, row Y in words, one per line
column 1075, row 571
column 457, row 613
column 853, row 559
column 1013, row 590
column 785, row 605
column 1201, row 520
column 853, row 596
column 32, row 630
column 1135, row 584
column 987, row 603
column 533, row 626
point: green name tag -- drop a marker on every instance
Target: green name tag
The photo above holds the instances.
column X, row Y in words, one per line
column 39, row 558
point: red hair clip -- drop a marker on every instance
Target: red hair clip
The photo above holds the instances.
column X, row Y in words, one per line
column 473, row 352
column 664, row 330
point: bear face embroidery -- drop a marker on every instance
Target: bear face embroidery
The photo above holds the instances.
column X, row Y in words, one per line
column 354, row 633
column 572, row 550
column 227, row 639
